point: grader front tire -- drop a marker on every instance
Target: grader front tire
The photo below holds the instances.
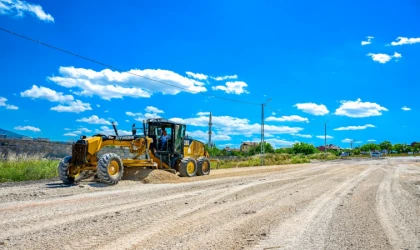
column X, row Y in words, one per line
column 110, row 169
column 187, row 167
column 63, row 171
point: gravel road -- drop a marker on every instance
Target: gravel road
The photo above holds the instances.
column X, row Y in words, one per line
column 346, row 204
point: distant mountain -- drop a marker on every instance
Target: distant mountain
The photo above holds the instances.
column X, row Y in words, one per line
column 10, row 134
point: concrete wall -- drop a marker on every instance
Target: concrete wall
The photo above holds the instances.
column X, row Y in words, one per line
column 51, row 149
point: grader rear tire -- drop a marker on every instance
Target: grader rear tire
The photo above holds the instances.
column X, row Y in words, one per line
column 110, row 169
column 187, row 167
column 203, row 166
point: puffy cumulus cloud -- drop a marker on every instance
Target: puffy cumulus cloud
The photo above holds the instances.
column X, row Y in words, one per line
column 151, row 112
column 135, row 83
column 292, row 118
column 347, row 140
column 236, row 126
column 303, row 136
column 7, row 106
column 277, row 143
column 46, row 93
column 359, row 109
column 237, row 87
column 72, row 134
column 323, row 137
column 383, row 58
column 86, row 130
column 356, row 127
column 204, row 136
column 94, row 119
column 203, row 113
column 19, row 8
column 72, row 107
column 405, row 40
column 406, row 108
column 151, row 109
column 68, row 104
column 30, row 128
column 198, row 76
column 222, row 78
column 312, row 108
column 369, row 38
column 105, row 130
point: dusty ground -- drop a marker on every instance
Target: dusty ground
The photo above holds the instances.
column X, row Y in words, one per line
column 351, row 204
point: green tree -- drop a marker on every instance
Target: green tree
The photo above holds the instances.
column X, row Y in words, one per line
column 370, row 147
column 398, row 147
column 385, row 145
column 303, row 148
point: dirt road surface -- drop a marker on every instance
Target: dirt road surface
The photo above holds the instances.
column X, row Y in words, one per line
column 346, row 204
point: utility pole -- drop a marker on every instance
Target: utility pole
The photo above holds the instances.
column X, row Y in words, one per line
column 325, row 139
column 262, row 131
column 210, row 124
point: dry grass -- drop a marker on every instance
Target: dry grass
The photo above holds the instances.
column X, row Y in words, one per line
column 25, row 167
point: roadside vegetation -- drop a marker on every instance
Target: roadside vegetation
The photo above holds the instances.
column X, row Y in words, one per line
column 23, row 167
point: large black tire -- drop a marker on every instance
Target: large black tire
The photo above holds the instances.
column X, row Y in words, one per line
column 110, row 169
column 203, row 166
column 188, row 167
column 63, row 170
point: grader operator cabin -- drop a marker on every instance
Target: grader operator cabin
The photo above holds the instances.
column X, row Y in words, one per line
column 179, row 153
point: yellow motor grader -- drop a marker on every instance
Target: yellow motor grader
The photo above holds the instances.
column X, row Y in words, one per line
column 179, row 153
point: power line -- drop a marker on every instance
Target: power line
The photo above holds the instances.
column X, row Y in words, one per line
column 118, row 69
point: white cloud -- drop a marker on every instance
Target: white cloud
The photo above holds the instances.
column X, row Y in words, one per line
column 383, row 58
column 105, row 130
column 323, row 137
column 151, row 112
column 8, row 106
column 236, row 126
column 203, row 113
column 45, row 93
column 358, row 109
column 237, row 87
column 94, row 119
column 279, row 142
column 303, row 136
column 71, row 134
column 273, row 113
column 84, row 130
column 405, row 40
column 135, row 83
column 127, row 120
column 368, row 41
column 221, row 78
column 30, row 128
column 19, row 8
column 292, row 118
column 11, row 107
column 67, row 129
column 151, row 109
column 72, row 107
column 97, row 105
column 312, row 108
column 370, row 140
column 356, row 127
column 406, row 108
column 198, row 76
column 347, row 140
column 203, row 136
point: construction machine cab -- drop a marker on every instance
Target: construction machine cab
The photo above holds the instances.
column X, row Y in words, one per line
column 153, row 128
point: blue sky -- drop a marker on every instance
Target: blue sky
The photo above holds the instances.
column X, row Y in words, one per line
column 353, row 65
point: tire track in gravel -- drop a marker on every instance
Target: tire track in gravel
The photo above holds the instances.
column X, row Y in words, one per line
column 308, row 229
column 117, row 208
column 397, row 212
column 210, row 212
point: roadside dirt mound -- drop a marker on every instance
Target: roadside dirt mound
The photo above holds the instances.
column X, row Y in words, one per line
column 150, row 175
